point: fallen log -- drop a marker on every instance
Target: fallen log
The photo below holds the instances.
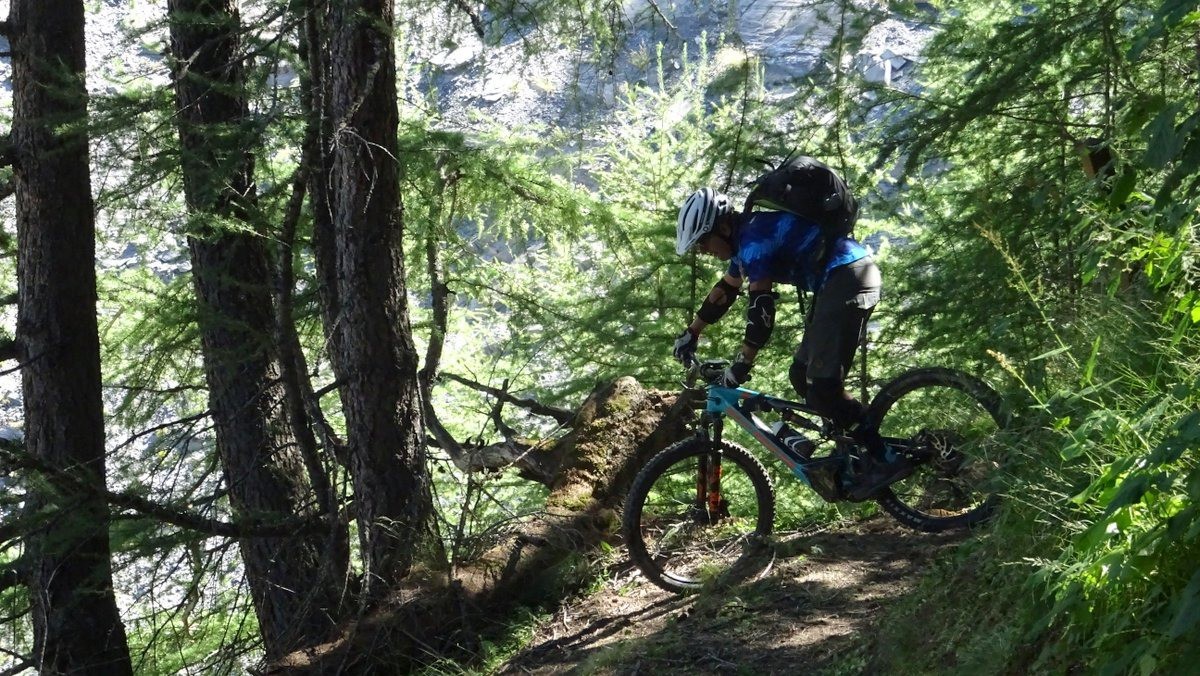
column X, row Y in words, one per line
column 538, row 562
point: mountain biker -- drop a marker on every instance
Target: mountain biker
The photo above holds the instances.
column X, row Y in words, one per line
column 765, row 248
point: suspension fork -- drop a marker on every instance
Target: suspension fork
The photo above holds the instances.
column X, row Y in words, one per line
column 708, row 476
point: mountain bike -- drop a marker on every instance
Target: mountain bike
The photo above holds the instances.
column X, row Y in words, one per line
column 703, row 508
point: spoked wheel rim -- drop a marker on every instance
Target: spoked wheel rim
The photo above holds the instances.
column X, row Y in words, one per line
column 954, row 426
column 953, row 480
column 679, row 540
column 691, row 554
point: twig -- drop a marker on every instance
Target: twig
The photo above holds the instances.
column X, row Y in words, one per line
column 561, row 415
column 659, row 12
column 158, row 428
column 476, row 22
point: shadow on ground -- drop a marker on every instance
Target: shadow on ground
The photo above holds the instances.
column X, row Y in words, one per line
column 805, row 614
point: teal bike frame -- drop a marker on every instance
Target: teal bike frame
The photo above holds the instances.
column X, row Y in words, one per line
column 740, row 404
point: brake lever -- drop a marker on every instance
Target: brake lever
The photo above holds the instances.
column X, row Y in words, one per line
column 693, row 372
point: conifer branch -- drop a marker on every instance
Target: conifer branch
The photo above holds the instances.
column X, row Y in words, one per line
column 306, row 413
column 561, row 415
column 507, row 432
column 15, row 456
column 508, row 453
column 437, row 273
column 162, row 426
column 437, row 337
column 476, row 21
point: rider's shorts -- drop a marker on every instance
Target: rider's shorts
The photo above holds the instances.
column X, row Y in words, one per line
column 835, row 324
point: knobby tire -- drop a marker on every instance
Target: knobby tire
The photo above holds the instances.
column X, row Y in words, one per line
column 675, row 545
column 962, row 414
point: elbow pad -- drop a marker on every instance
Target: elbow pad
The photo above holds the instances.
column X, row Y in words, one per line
column 760, row 318
column 712, row 310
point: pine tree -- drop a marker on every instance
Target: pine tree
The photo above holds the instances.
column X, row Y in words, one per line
column 77, row 627
column 373, row 352
column 291, row 578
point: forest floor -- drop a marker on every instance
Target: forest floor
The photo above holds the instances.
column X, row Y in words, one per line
column 813, row 612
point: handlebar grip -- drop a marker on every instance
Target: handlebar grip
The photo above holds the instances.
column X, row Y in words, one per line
column 706, row 371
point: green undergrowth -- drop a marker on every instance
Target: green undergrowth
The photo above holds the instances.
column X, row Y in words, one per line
column 497, row 639
column 967, row 614
column 1092, row 565
column 496, row 646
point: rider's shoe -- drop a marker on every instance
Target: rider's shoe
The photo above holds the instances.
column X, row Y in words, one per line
column 874, row 476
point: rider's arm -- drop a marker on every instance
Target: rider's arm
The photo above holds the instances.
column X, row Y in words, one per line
column 760, row 318
column 717, row 303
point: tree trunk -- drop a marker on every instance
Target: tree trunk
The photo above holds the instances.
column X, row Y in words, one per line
column 374, row 356
column 316, row 101
column 77, row 628
column 294, row 581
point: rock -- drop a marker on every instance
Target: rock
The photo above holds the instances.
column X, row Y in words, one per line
column 885, row 67
column 456, row 58
column 501, row 86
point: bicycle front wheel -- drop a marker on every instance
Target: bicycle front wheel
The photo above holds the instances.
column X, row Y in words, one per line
column 698, row 513
column 952, row 425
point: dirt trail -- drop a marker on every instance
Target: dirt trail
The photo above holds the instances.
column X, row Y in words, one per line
column 824, row 589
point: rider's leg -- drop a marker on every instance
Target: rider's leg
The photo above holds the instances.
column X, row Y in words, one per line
column 830, row 398
column 798, row 375
column 833, row 330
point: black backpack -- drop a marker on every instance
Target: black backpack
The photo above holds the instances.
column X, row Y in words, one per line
column 810, row 189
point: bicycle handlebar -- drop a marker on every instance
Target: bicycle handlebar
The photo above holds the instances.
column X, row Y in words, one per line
column 708, row 371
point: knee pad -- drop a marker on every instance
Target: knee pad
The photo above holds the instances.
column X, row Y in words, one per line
column 760, row 318
column 823, row 393
column 828, row 396
column 798, row 375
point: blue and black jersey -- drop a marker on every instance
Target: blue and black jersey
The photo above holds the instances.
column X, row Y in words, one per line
column 787, row 249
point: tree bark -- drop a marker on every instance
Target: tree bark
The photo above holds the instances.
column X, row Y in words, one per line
column 374, row 356
column 294, row 580
column 319, row 145
column 77, row 627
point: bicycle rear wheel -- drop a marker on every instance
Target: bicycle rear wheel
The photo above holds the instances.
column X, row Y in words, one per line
column 683, row 530
column 952, row 424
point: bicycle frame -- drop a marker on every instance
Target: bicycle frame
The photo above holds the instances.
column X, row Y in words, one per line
column 739, row 405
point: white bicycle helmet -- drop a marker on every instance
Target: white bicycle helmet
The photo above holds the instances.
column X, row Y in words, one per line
column 697, row 216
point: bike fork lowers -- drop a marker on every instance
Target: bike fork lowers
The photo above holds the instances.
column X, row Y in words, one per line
column 708, row 475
